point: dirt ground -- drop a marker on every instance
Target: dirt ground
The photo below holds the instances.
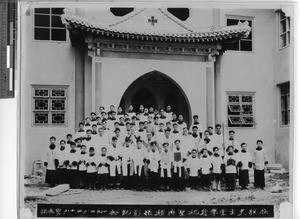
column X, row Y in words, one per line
column 188, row 197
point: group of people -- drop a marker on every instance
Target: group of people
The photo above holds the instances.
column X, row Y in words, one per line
column 153, row 150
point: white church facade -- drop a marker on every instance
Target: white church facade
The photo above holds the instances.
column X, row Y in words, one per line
column 228, row 66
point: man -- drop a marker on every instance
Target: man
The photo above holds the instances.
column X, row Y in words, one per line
column 168, row 113
column 50, row 162
column 162, row 117
column 219, row 139
column 199, row 126
column 231, row 140
column 179, row 158
column 81, row 132
column 181, row 123
column 130, row 112
column 187, row 142
column 207, row 143
column 120, row 113
column 101, row 140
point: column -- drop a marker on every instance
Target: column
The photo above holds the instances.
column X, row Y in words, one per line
column 210, row 94
column 98, row 83
column 218, row 92
column 79, row 86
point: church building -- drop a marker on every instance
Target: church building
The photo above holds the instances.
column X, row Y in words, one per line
column 228, row 66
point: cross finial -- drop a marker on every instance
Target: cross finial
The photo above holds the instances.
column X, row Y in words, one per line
column 152, row 20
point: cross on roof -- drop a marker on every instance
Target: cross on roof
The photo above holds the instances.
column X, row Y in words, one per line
column 152, row 20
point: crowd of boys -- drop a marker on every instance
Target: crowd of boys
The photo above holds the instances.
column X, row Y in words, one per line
column 153, row 150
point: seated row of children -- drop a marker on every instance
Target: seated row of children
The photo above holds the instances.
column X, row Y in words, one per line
column 140, row 166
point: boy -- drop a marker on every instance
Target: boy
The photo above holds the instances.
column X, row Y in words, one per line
column 91, row 168
column 179, row 157
column 94, row 129
column 61, row 167
column 246, row 163
column 130, row 112
column 153, row 161
column 139, row 157
column 50, row 162
column 175, row 133
column 232, row 141
column 127, row 163
column 87, row 124
column 207, row 142
column 88, row 140
column 81, row 132
column 168, row 113
column 205, row 169
column 119, row 113
column 114, row 156
column 187, row 142
column 217, row 165
column 165, row 167
column 103, row 161
column 78, row 143
column 231, row 160
column 82, row 157
column 193, row 169
column 198, row 125
column 69, row 139
column 260, row 159
column 72, row 166
column 181, row 123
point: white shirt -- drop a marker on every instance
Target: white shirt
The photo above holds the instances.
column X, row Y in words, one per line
column 50, row 156
column 259, row 159
column 73, row 157
column 89, row 160
column 103, row 160
column 154, row 157
column 205, row 164
column 82, row 158
column 216, row 162
column 194, row 165
column 61, row 156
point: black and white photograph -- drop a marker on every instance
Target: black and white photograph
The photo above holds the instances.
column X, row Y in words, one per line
column 152, row 110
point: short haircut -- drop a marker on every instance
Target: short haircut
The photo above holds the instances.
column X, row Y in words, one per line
column 117, row 129
column 62, row 141
column 103, row 148
column 69, row 135
column 194, row 150
column 218, row 125
column 94, row 125
column 91, row 149
column 231, row 131
column 259, row 141
column 165, row 143
column 177, row 140
column 215, row 148
column 81, row 123
column 206, row 131
column 83, row 146
column 195, row 116
column 243, row 144
column 93, row 113
column 88, row 130
column 209, row 127
column 195, row 127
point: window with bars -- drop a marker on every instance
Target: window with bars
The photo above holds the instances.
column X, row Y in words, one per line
column 48, row 25
column 240, row 110
column 49, row 105
column 243, row 44
column 285, row 103
column 284, row 30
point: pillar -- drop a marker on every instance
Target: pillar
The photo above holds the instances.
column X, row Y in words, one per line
column 218, row 92
column 210, row 94
column 79, row 86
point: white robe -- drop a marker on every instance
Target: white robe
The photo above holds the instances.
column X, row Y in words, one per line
column 187, row 143
column 205, row 164
column 127, row 154
column 114, row 165
column 73, row 157
column 62, row 157
column 194, row 165
column 154, row 158
column 49, row 157
column 103, row 160
column 245, row 158
column 138, row 160
column 89, row 160
column 179, row 163
column 259, row 159
column 82, row 158
column 80, row 134
column 165, row 163
column 216, row 162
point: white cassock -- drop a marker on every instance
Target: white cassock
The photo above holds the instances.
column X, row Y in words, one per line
column 127, row 154
column 209, row 146
column 218, row 142
column 187, row 143
column 87, row 127
column 88, row 143
column 168, row 115
column 142, row 134
column 197, row 140
column 82, row 157
column 102, row 160
column 166, row 160
column 80, row 134
column 194, row 165
column 99, row 142
column 114, row 165
column 176, row 135
column 73, row 156
column 131, row 114
column 110, row 123
column 178, row 163
column 159, row 136
column 231, row 168
column 61, row 156
column 234, row 143
column 170, row 140
column 49, row 157
column 259, row 159
column 181, row 126
column 138, row 160
column 118, row 116
column 216, row 161
column 205, row 164
column 163, row 120
column 154, row 158
column 245, row 158
column 199, row 126
column 90, row 159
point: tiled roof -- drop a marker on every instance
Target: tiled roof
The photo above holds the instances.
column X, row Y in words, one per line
column 184, row 32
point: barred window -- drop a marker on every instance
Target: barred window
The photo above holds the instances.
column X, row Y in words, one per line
column 49, row 105
column 48, row 25
column 240, row 110
column 285, row 103
column 284, row 30
column 243, row 44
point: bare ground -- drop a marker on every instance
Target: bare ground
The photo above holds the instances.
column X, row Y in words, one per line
column 188, row 197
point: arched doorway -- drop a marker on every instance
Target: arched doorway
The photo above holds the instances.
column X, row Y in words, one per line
column 156, row 89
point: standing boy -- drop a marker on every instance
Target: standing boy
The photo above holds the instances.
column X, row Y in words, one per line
column 73, row 157
column 193, row 169
column 217, row 163
column 179, row 157
column 82, row 157
column 205, row 169
column 103, row 161
column 61, row 167
column 50, row 162
column 231, row 160
column 154, row 159
column 246, row 163
column 91, row 164
column 260, row 159
column 165, row 167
